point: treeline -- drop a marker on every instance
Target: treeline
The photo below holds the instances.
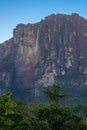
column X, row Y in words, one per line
column 22, row 115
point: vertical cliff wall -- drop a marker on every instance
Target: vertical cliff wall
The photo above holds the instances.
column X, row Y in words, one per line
column 39, row 55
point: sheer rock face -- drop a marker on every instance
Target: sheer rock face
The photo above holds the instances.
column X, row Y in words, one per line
column 39, row 55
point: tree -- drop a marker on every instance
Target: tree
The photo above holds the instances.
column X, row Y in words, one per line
column 6, row 111
column 54, row 94
column 59, row 117
column 52, row 116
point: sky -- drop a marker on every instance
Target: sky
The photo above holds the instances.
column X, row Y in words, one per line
column 13, row 12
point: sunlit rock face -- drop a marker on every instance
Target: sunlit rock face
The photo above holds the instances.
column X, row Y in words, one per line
column 27, row 39
column 42, row 54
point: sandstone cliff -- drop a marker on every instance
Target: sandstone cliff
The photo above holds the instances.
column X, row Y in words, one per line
column 53, row 50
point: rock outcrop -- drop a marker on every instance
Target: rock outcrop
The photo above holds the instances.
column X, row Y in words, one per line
column 39, row 55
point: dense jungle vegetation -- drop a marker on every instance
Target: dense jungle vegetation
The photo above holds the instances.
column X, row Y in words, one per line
column 27, row 115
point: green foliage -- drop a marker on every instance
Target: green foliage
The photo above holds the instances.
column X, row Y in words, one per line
column 23, row 115
column 83, row 125
column 54, row 114
column 6, row 111
column 54, row 94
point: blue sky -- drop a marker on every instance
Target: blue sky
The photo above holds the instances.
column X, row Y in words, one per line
column 13, row 12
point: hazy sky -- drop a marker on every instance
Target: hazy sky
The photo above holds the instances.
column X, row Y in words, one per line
column 13, row 12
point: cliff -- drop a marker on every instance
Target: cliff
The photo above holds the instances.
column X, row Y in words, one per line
column 53, row 50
